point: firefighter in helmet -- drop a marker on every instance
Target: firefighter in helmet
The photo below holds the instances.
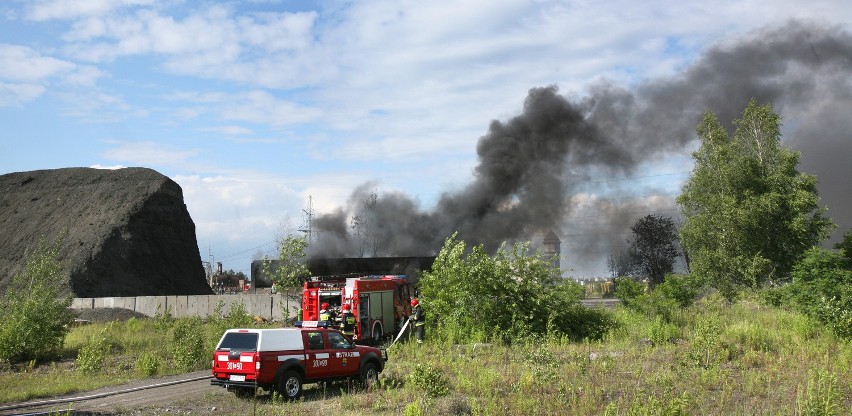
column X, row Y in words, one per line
column 347, row 321
column 418, row 319
column 327, row 314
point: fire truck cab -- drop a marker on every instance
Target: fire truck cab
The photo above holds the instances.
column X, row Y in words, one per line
column 379, row 302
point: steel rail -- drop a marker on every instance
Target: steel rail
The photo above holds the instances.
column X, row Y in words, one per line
column 98, row 395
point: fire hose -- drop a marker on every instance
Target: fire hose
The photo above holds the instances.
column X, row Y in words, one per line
column 401, row 331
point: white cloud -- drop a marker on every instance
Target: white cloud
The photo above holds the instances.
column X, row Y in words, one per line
column 205, row 43
column 149, row 153
column 16, row 95
column 28, row 74
column 228, row 130
column 263, row 108
column 41, row 10
column 238, row 207
column 113, row 167
column 95, row 106
column 83, row 76
column 277, row 31
column 21, row 63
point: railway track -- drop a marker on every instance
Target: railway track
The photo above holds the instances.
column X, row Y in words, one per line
column 134, row 395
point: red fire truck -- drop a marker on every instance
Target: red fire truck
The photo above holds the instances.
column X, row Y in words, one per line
column 379, row 302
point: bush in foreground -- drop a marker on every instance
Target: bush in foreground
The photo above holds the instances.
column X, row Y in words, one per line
column 35, row 312
column 515, row 294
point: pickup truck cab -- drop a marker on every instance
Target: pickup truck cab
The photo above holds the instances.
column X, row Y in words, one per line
column 283, row 359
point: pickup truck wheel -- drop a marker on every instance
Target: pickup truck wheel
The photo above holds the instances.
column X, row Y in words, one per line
column 369, row 375
column 289, row 386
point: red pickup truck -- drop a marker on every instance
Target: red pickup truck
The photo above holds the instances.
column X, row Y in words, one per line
column 283, row 359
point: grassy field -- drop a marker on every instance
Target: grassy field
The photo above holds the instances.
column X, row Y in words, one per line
column 715, row 359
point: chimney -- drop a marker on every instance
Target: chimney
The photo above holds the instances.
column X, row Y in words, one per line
column 552, row 248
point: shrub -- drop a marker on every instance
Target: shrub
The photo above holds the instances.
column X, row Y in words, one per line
column 148, row 364
column 706, row 349
column 188, row 349
column 163, row 318
column 630, row 292
column 582, row 323
column 822, row 289
column 662, row 332
column 511, row 296
column 682, row 289
column 35, row 313
column 777, row 296
column 429, row 379
column 93, row 354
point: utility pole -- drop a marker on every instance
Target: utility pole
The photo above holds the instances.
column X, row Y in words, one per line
column 308, row 219
column 209, row 268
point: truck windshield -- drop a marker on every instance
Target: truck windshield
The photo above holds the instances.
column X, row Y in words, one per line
column 239, row 341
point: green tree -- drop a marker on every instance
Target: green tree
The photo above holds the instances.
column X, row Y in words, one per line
column 623, row 264
column 291, row 267
column 654, row 247
column 750, row 215
column 35, row 311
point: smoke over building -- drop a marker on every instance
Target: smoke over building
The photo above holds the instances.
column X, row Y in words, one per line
column 527, row 164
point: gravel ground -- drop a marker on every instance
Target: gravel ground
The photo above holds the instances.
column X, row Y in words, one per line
column 107, row 314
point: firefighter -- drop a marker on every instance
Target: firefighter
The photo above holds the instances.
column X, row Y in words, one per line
column 327, row 314
column 347, row 321
column 418, row 319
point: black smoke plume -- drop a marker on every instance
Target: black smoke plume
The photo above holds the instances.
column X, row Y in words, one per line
column 527, row 165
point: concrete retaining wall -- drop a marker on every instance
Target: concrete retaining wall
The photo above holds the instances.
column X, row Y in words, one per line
column 270, row 307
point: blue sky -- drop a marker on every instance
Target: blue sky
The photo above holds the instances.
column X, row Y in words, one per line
column 254, row 107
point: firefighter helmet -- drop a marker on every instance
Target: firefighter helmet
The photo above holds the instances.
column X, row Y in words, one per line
column 324, row 305
column 414, row 302
column 345, row 307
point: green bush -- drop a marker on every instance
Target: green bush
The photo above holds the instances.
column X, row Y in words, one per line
column 93, row 354
column 706, row 349
column 662, row 331
column 148, row 364
column 429, row 379
column 188, row 348
column 34, row 310
column 630, row 292
column 581, row 323
column 822, row 289
column 682, row 289
column 777, row 296
column 513, row 295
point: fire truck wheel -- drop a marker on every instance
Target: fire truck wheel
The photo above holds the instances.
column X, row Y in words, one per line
column 377, row 334
column 369, row 374
column 289, row 386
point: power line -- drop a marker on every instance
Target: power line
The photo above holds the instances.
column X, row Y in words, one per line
column 625, row 213
column 627, row 178
column 230, row 256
